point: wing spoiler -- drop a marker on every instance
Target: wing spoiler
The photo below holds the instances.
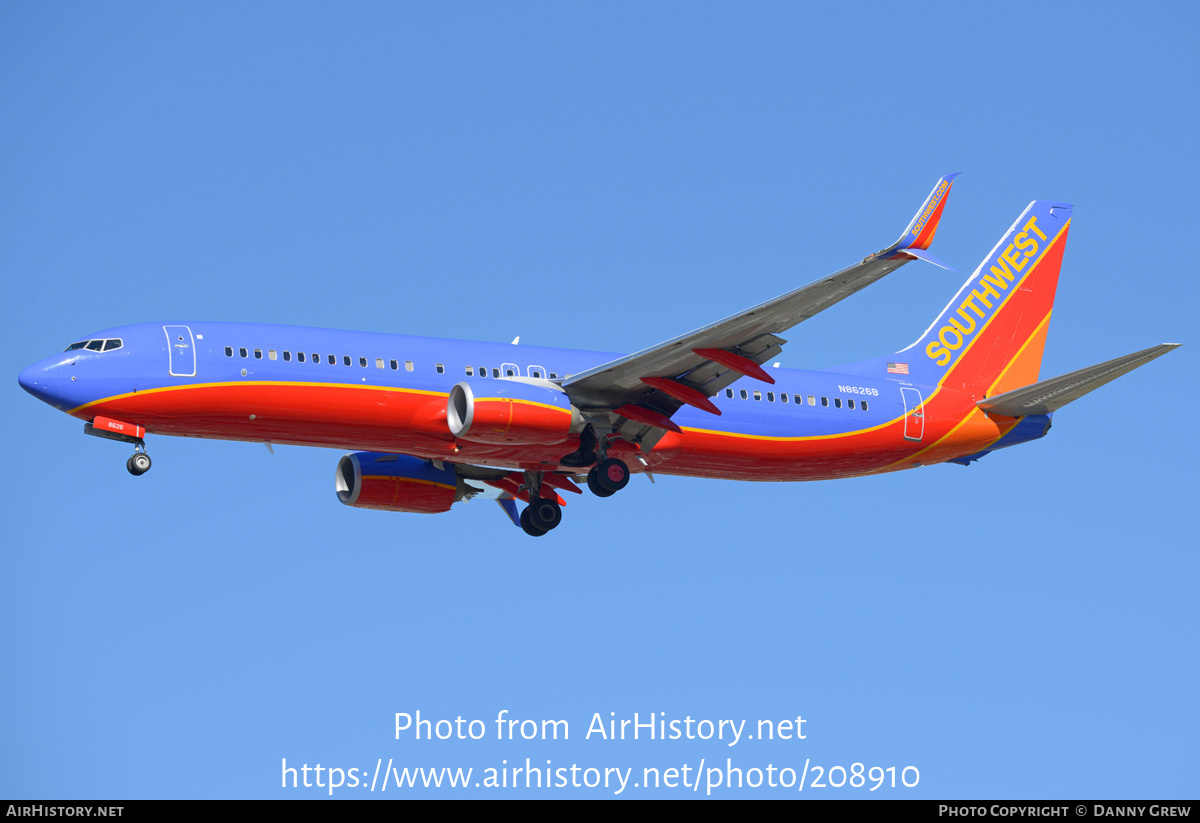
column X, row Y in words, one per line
column 1050, row 395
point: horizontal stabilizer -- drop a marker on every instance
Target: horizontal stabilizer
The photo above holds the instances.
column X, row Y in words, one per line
column 510, row 508
column 1050, row 395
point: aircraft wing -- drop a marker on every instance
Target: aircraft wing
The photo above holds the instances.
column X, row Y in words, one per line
column 646, row 388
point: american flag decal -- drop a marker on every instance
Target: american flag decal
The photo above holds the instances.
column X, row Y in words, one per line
column 897, row 368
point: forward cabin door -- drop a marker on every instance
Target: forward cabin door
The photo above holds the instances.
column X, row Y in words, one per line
column 181, row 351
column 914, row 414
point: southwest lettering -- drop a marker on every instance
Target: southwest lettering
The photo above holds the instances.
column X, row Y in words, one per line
column 1002, row 273
column 938, row 353
column 1024, row 241
column 957, row 338
column 933, row 202
column 961, row 325
column 976, row 295
column 963, row 314
column 1016, row 262
column 970, row 301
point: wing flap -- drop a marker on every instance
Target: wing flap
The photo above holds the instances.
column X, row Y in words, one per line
column 1050, row 395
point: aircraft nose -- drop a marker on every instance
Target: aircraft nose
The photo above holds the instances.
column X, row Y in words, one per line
column 44, row 380
column 28, row 379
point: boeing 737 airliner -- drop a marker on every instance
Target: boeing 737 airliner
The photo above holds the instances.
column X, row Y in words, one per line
column 431, row 421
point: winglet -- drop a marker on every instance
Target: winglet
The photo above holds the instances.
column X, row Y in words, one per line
column 923, row 227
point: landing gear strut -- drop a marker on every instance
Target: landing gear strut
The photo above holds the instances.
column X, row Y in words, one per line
column 608, row 477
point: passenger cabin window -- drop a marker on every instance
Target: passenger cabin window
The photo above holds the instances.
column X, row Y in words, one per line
column 316, row 358
column 470, row 371
column 729, row 393
column 379, row 362
column 394, row 364
column 333, row 359
column 757, row 394
column 770, row 397
column 441, row 369
column 299, row 356
column 782, row 398
column 408, row 365
column 483, row 371
column 837, row 402
column 553, row 376
column 229, row 351
column 243, row 352
column 812, row 401
column 824, row 401
column 258, row 354
column 362, row 361
column 495, row 372
column 287, row 355
column 864, row 405
column 509, row 373
column 272, row 355
column 745, row 394
column 850, row 403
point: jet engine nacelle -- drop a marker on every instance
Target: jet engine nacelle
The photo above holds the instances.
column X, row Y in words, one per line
column 396, row 483
column 504, row 412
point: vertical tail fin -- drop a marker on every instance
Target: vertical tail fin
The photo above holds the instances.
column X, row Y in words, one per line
column 992, row 333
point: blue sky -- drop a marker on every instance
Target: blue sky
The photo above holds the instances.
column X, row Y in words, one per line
column 600, row 177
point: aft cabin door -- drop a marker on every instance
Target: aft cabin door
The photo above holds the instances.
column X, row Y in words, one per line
column 181, row 351
column 914, row 414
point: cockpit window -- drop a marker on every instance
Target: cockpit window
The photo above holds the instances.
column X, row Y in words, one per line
column 95, row 345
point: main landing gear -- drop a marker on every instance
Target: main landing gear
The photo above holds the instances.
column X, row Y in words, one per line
column 543, row 514
column 608, row 477
column 540, row 516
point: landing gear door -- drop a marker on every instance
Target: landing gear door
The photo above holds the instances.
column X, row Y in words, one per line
column 181, row 351
column 914, row 414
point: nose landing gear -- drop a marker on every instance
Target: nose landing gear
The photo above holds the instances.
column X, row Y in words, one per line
column 138, row 462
